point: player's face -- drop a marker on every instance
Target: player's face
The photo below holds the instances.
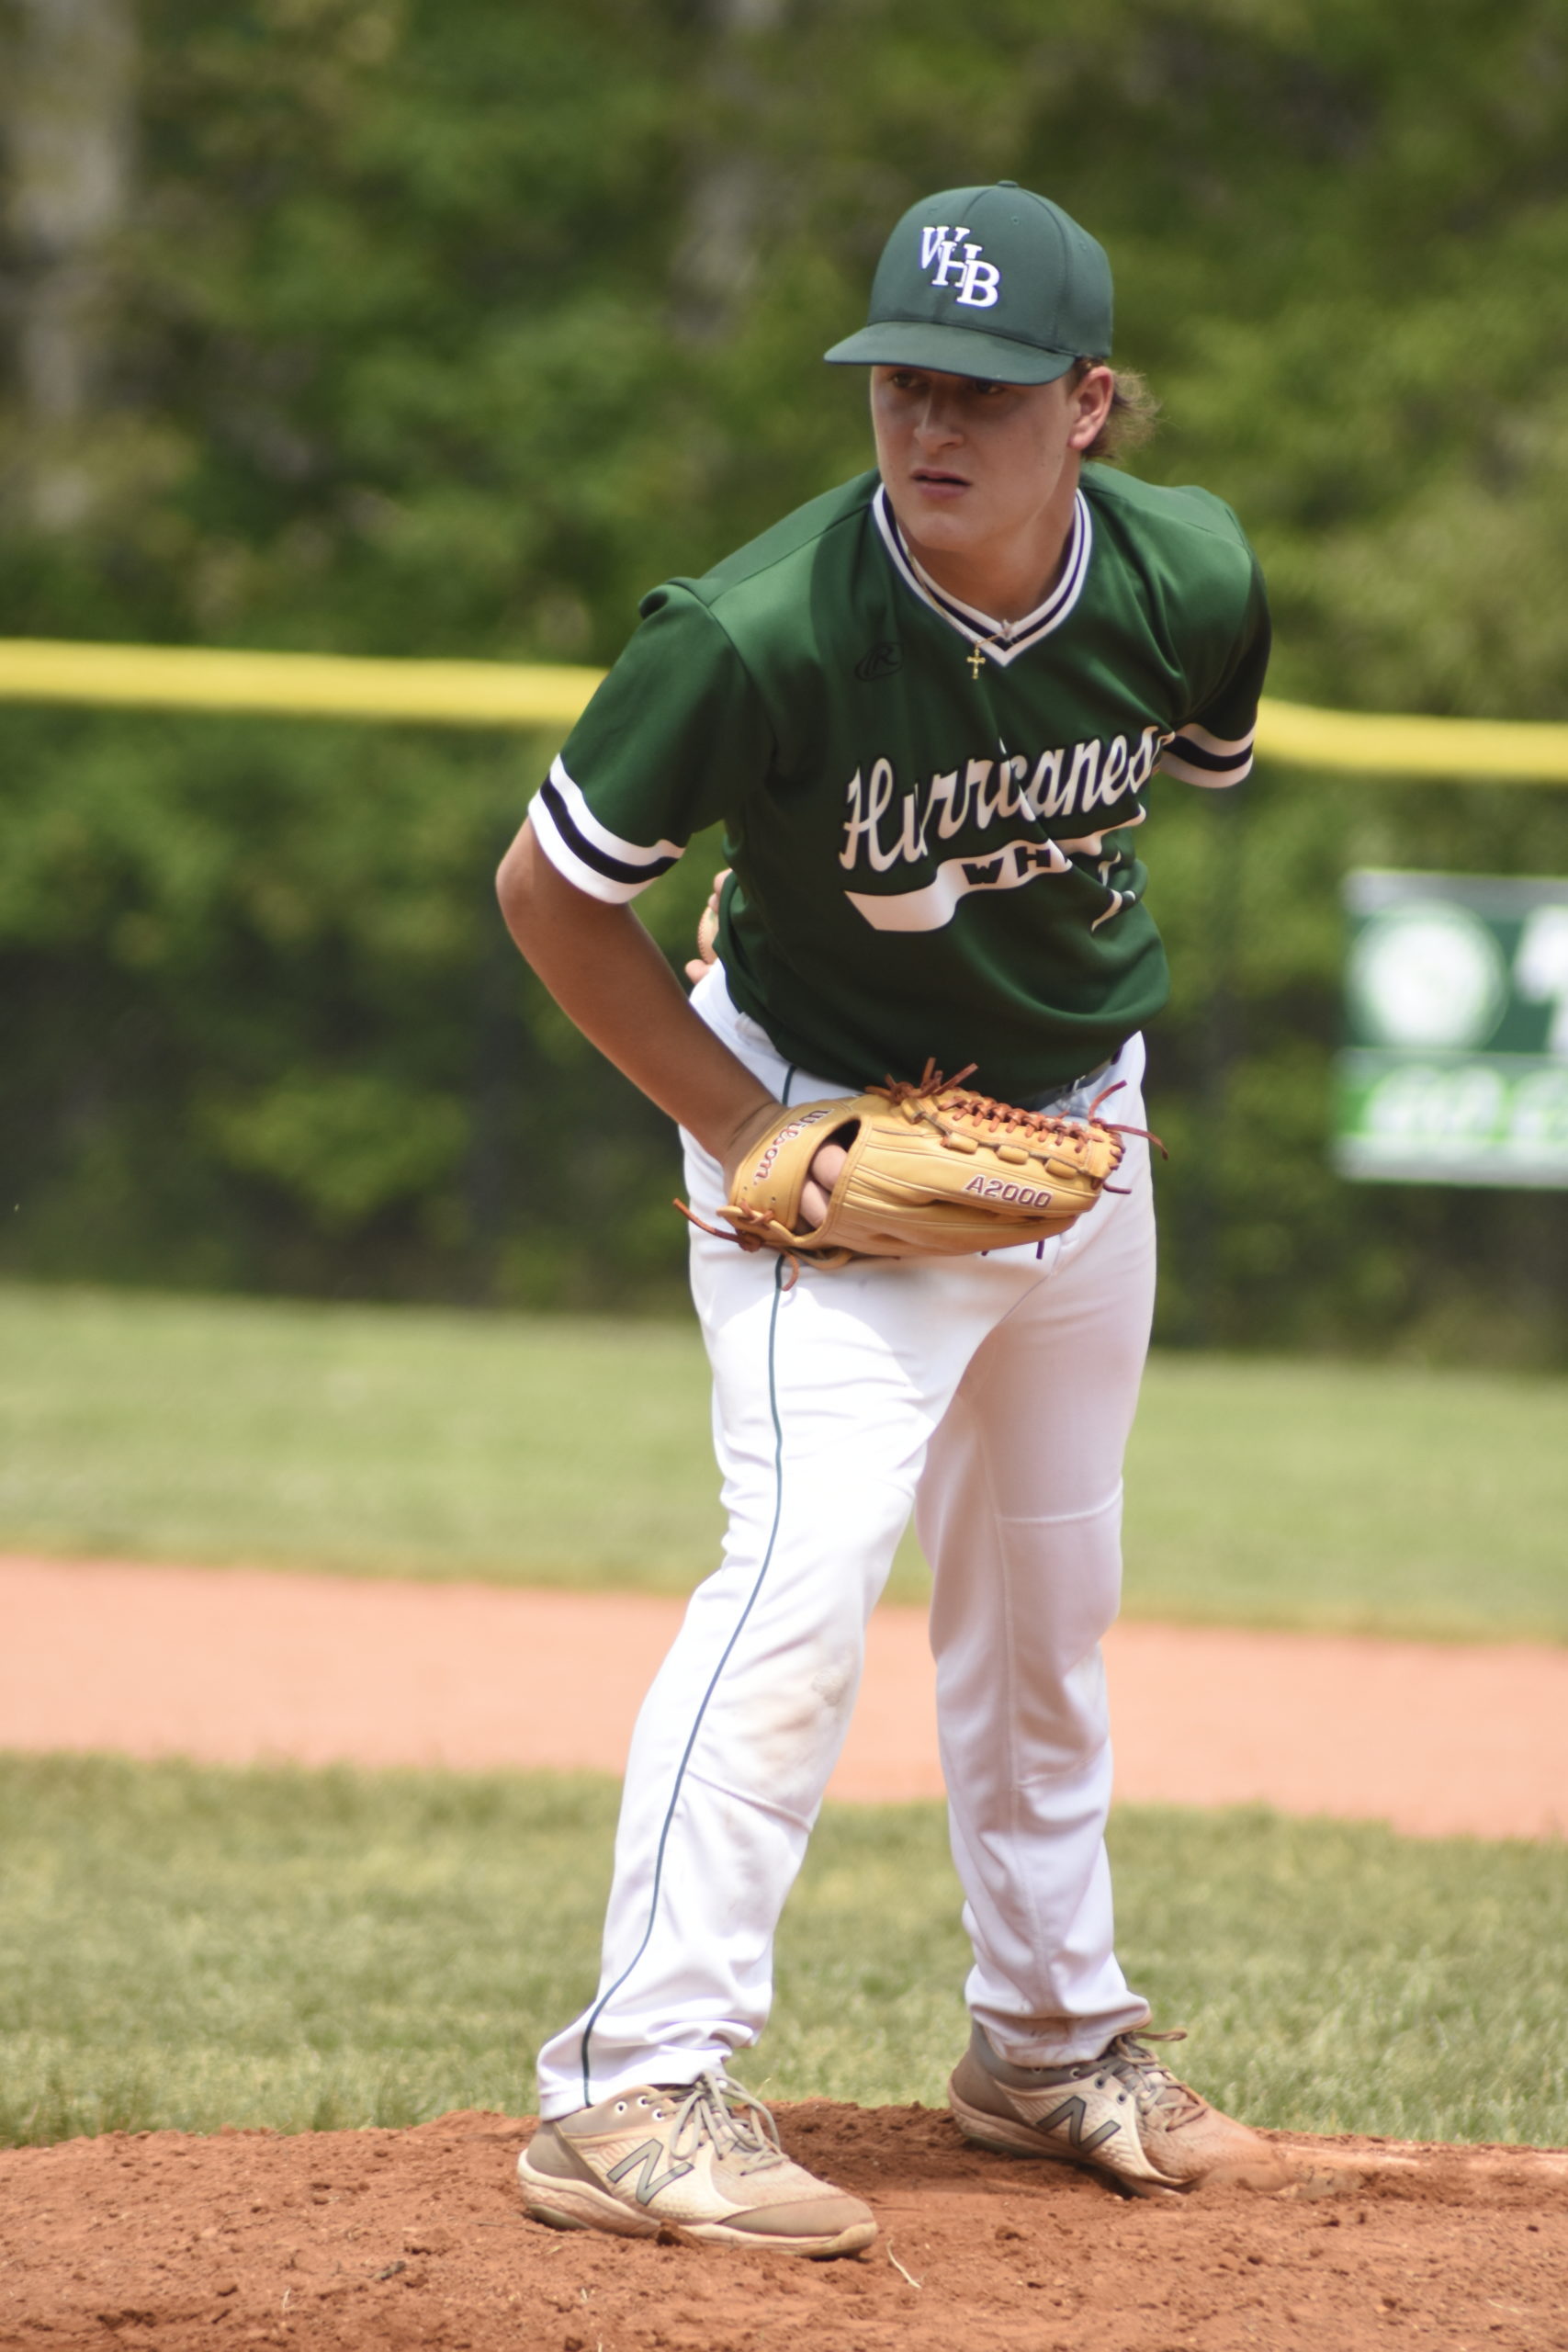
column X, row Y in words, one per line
column 978, row 471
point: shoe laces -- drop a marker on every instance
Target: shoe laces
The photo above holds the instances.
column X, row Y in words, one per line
column 1150, row 2080
column 739, row 2127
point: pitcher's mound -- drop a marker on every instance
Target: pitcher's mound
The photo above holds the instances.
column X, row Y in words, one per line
column 414, row 2238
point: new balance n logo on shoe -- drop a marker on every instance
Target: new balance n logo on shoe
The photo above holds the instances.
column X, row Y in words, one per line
column 651, row 2179
column 1072, row 2112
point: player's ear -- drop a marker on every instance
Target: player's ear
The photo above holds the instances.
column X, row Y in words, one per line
column 1092, row 388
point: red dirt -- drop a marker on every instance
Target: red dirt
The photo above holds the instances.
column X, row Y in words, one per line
column 384, row 2239
column 237, row 1665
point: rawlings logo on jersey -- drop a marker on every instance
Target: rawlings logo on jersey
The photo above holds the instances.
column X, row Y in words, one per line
column 885, row 660
column 977, row 283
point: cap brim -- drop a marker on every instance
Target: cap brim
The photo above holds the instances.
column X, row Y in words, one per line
column 950, row 351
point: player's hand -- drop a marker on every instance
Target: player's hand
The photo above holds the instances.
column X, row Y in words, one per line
column 708, row 930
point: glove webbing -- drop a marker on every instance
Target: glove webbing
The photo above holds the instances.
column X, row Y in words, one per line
column 933, row 1094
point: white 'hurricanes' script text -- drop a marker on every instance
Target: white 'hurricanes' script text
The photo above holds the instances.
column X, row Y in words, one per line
column 885, row 828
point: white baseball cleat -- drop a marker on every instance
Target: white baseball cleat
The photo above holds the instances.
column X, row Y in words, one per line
column 1123, row 2113
column 701, row 2157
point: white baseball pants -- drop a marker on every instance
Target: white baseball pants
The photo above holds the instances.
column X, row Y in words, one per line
column 994, row 1395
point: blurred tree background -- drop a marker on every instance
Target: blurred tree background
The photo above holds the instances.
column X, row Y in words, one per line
column 389, row 327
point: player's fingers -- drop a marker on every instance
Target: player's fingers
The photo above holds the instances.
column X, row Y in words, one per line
column 827, row 1167
column 697, row 970
column 707, row 928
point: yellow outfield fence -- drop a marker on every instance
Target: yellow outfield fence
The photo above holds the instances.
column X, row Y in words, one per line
column 501, row 693
column 296, row 685
column 1456, row 750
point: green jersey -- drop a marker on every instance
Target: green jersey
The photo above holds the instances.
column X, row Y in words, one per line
column 930, row 815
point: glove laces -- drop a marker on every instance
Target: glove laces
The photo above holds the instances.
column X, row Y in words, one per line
column 932, row 1095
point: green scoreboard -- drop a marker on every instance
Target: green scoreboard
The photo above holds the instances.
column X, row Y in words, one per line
column 1455, row 1069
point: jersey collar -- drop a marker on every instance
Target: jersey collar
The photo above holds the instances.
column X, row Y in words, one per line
column 1002, row 641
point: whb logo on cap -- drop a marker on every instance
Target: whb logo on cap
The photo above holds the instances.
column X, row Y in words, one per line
column 978, row 282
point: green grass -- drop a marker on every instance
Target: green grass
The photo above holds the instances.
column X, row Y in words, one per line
column 190, row 1947
column 1350, row 1497
column 551, row 1449
column 390, row 1439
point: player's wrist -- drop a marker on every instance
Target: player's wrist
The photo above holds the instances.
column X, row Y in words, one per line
column 735, row 1140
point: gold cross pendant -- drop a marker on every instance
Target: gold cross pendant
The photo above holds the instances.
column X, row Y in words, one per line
column 976, row 661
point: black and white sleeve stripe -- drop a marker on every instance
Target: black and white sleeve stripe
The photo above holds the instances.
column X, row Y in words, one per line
column 1198, row 757
column 587, row 852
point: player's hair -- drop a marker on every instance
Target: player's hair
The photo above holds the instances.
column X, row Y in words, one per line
column 1133, row 414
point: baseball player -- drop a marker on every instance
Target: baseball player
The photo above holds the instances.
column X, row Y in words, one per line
column 932, row 709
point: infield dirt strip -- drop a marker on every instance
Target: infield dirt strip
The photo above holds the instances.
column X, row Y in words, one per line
column 235, row 1666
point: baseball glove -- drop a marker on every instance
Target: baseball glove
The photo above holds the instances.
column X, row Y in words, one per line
column 931, row 1170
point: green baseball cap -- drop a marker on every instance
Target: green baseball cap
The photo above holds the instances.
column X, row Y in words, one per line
column 993, row 282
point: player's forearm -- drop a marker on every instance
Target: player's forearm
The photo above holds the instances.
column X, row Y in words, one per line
column 610, row 979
